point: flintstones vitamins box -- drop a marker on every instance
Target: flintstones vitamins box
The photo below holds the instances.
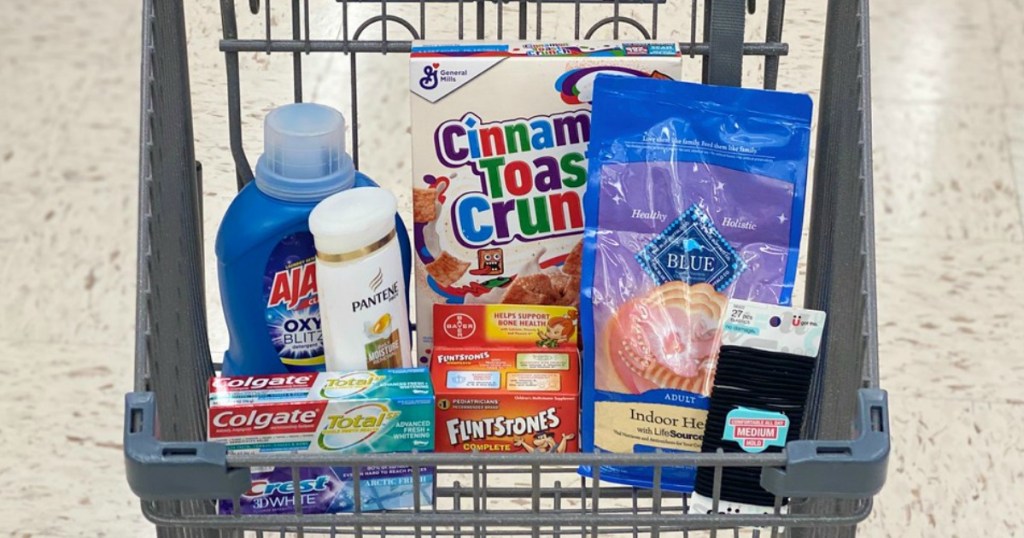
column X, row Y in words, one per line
column 500, row 136
column 506, row 378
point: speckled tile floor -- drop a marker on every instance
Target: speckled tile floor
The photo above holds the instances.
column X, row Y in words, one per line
column 949, row 173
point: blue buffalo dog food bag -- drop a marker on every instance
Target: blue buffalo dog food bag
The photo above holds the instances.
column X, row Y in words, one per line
column 694, row 196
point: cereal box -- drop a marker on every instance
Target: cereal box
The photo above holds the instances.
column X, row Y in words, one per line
column 500, row 136
column 506, row 378
column 352, row 412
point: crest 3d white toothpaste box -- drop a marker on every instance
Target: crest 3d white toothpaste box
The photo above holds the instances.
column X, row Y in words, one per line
column 376, row 411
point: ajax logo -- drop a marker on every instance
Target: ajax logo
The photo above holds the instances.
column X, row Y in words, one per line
column 429, row 80
column 349, row 384
column 355, row 426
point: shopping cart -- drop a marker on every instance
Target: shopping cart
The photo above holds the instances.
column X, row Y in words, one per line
column 829, row 480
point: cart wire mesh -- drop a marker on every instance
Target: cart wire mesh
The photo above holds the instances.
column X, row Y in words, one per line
column 494, row 494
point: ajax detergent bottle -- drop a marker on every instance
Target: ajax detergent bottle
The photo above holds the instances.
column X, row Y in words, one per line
column 266, row 260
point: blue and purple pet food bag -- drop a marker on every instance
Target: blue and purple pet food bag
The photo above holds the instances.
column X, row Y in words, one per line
column 695, row 195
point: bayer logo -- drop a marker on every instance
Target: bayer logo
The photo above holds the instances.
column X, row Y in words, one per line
column 459, row 326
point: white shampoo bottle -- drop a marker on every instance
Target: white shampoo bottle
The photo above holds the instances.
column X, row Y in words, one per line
column 360, row 282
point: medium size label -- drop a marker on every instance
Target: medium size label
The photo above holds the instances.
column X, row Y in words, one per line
column 755, row 430
column 290, row 295
column 624, row 425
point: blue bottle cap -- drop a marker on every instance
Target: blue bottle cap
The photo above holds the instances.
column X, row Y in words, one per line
column 304, row 158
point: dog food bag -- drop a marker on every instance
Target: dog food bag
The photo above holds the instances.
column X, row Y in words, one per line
column 499, row 140
column 694, row 196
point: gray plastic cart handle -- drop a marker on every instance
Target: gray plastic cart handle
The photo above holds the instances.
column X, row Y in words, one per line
column 838, row 469
column 159, row 470
column 854, row 469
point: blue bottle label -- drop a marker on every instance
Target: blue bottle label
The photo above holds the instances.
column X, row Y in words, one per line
column 293, row 312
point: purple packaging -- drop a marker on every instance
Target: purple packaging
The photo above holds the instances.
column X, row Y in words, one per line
column 752, row 212
column 329, row 490
column 695, row 195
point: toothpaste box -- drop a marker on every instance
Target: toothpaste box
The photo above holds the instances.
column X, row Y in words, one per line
column 355, row 412
column 506, row 378
column 499, row 140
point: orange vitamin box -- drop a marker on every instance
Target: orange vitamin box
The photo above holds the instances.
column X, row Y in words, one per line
column 506, row 378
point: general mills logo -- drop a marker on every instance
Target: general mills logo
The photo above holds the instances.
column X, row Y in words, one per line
column 429, row 80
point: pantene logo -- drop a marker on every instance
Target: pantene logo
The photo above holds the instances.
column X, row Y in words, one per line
column 347, row 385
column 377, row 281
column 386, row 295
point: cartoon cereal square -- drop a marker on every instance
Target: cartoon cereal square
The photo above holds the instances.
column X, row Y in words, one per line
column 530, row 289
column 424, row 206
column 574, row 260
column 447, row 269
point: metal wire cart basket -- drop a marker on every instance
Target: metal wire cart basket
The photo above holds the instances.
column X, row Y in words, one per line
column 829, row 479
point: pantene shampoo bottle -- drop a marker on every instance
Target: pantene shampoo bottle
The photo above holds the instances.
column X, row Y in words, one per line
column 359, row 276
column 265, row 253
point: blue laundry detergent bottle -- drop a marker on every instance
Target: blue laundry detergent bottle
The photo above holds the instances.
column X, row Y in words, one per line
column 265, row 253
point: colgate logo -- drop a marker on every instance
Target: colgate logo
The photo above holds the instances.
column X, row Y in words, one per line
column 262, row 382
column 261, row 421
column 274, row 419
column 264, row 487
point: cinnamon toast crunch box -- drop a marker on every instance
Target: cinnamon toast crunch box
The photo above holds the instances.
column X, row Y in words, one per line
column 499, row 136
column 506, row 378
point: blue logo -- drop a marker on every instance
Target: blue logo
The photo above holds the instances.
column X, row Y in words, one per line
column 691, row 250
column 429, row 80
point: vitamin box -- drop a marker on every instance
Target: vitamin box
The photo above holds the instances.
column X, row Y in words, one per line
column 499, row 137
column 506, row 378
column 357, row 412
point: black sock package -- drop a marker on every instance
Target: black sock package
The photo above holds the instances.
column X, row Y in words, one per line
column 763, row 375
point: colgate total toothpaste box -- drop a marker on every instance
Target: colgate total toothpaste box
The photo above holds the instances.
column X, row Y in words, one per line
column 355, row 412
column 506, row 378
